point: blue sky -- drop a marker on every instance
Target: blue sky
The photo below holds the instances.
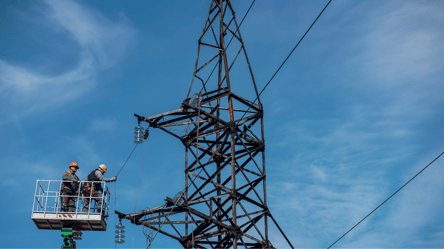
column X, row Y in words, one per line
column 354, row 113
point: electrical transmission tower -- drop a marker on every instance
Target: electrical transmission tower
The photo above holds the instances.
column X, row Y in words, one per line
column 224, row 203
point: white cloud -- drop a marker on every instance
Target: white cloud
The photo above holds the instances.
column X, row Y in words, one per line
column 404, row 46
column 318, row 173
column 415, row 217
column 105, row 39
column 103, row 43
column 104, row 124
column 347, row 164
column 26, row 81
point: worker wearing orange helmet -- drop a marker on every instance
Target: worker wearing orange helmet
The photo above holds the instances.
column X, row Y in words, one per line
column 92, row 189
column 69, row 188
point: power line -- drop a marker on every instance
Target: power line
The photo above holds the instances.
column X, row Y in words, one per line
column 127, row 159
column 295, row 47
column 240, row 24
column 115, row 188
column 387, row 199
column 289, row 54
column 140, row 180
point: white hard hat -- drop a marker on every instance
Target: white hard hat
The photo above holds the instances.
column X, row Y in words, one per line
column 103, row 167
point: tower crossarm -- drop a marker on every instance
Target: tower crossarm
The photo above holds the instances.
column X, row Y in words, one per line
column 224, row 200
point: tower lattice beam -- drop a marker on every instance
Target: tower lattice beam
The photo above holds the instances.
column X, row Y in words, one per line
column 224, row 204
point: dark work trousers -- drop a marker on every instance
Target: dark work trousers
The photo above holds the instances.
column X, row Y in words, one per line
column 96, row 196
column 67, row 199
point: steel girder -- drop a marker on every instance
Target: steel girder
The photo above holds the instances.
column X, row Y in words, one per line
column 225, row 198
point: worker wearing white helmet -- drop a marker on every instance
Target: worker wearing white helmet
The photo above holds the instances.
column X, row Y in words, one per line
column 91, row 189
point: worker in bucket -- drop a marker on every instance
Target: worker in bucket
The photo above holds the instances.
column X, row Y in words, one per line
column 69, row 188
column 92, row 187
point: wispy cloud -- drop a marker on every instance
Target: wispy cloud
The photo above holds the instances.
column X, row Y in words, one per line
column 104, row 124
column 49, row 164
column 343, row 166
column 106, row 40
column 102, row 42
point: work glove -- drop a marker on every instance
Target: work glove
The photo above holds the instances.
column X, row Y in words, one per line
column 113, row 179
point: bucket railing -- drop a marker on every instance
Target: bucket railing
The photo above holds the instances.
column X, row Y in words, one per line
column 48, row 194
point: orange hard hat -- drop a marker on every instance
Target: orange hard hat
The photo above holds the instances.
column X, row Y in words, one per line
column 74, row 164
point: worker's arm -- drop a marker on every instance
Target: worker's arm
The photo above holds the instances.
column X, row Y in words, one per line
column 72, row 179
column 65, row 175
column 100, row 177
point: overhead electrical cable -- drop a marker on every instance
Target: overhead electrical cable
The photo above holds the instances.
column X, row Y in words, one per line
column 387, row 199
column 115, row 187
column 127, row 159
column 140, row 180
column 289, row 55
column 240, row 24
column 294, row 48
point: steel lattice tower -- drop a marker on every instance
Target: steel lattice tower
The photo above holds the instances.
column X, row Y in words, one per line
column 224, row 203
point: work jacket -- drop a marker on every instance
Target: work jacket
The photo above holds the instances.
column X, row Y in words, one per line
column 72, row 183
column 92, row 177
